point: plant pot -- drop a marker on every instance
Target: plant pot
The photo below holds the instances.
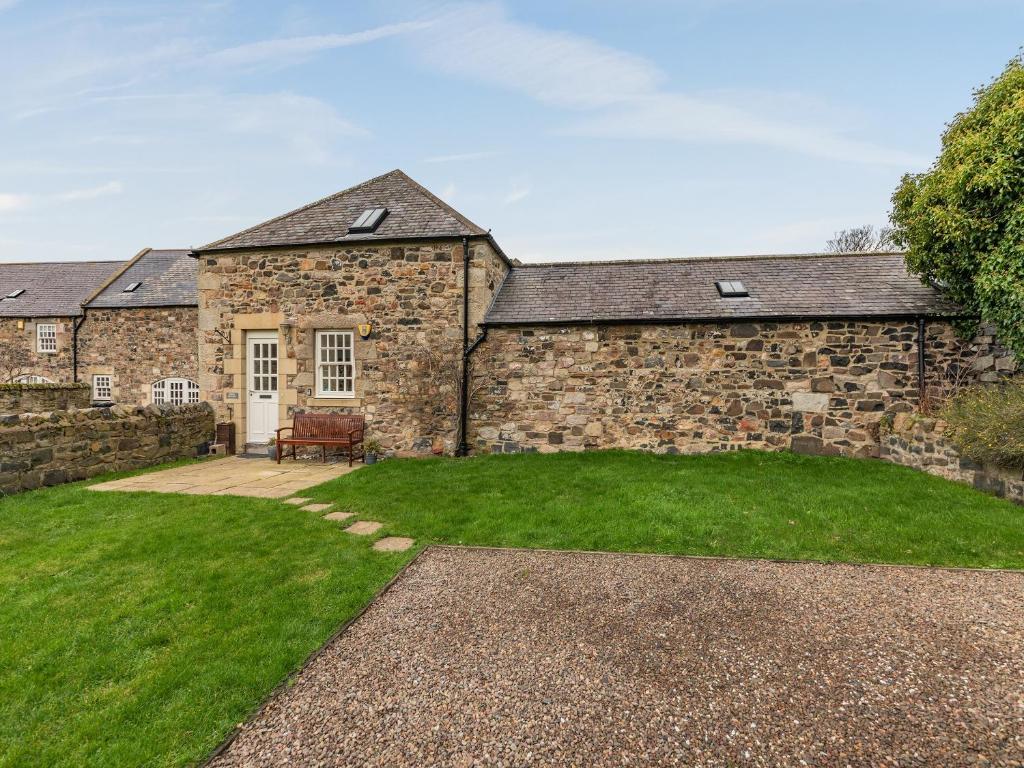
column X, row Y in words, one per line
column 272, row 452
column 370, row 458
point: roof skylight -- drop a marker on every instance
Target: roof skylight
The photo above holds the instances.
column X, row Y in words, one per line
column 132, row 287
column 731, row 289
column 15, row 294
column 369, row 220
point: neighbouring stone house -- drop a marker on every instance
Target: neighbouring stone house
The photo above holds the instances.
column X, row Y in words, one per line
column 354, row 303
column 40, row 309
column 137, row 342
column 127, row 329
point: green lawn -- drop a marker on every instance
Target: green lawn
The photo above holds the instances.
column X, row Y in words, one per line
column 137, row 629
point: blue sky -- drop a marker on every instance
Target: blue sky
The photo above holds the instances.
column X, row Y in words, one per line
column 575, row 129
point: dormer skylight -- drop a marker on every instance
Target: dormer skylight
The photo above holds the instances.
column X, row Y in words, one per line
column 731, row 289
column 132, row 287
column 15, row 294
column 368, row 220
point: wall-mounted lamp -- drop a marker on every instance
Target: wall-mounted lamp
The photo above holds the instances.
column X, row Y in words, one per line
column 364, row 330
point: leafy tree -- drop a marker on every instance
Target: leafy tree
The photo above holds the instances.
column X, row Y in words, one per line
column 864, row 239
column 962, row 221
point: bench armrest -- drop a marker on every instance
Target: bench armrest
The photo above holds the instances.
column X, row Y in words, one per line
column 279, row 431
column 358, row 431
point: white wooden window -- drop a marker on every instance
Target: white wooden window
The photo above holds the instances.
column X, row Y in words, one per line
column 175, row 392
column 46, row 337
column 31, row 378
column 335, row 364
column 102, row 388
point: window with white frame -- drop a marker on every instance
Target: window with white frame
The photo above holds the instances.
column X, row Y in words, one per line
column 175, row 392
column 335, row 364
column 31, row 378
column 102, row 388
column 46, row 337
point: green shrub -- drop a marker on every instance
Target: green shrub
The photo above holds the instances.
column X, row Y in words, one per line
column 987, row 423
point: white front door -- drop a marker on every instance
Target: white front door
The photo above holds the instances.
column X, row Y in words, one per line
column 261, row 408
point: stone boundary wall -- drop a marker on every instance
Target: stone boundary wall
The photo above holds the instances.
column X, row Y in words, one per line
column 921, row 443
column 43, row 398
column 62, row 446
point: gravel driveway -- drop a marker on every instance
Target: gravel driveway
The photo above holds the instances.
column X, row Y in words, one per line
column 514, row 658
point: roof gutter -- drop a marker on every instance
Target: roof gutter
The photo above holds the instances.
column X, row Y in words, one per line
column 912, row 316
column 195, row 253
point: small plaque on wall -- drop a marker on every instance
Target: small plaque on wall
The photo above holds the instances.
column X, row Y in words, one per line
column 231, row 395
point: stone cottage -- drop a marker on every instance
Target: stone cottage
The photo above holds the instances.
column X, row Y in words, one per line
column 353, row 303
column 128, row 329
column 356, row 303
column 40, row 311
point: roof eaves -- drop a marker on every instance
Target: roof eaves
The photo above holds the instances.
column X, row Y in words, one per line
column 765, row 318
column 197, row 252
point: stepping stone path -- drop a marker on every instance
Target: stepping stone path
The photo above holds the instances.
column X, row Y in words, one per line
column 316, row 507
column 393, row 544
column 364, row 528
column 339, row 516
column 297, row 501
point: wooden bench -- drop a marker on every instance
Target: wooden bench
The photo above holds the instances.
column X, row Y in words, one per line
column 328, row 430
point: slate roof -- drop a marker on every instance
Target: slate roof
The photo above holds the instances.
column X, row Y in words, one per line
column 813, row 285
column 52, row 289
column 168, row 279
column 413, row 212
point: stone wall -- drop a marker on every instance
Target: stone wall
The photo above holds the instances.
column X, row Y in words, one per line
column 138, row 347
column 62, row 446
column 410, row 293
column 42, row 398
column 921, row 443
column 56, row 366
column 816, row 387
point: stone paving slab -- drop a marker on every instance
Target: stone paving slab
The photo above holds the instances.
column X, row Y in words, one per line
column 364, row 528
column 393, row 544
column 491, row 657
column 298, row 501
column 234, row 476
column 316, row 507
column 339, row 516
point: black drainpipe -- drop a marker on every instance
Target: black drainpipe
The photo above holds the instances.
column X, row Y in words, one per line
column 463, row 448
column 75, row 325
column 921, row 388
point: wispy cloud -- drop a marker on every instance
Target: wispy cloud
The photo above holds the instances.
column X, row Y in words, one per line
column 288, row 49
column 519, row 191
column 5, row 4
column 91, row 193
column 13, row 202
column 17, row 202
column 448, row 193
column 461, row 157
column 622, row 95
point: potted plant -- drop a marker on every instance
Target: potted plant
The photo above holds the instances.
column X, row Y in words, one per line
column 372, row 449
column 272, row 449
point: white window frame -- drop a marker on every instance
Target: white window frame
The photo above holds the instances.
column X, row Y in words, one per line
column 31, row 378
column 102, row 387
column 46, row 338
column 167, row 391
column 325, row 379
